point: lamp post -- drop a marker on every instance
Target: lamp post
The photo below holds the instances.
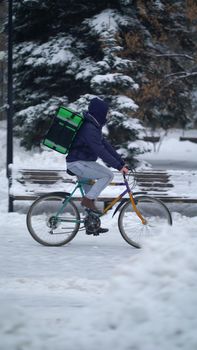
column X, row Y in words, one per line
column 10, row 103
column 32, row 4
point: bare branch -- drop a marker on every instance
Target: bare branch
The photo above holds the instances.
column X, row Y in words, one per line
column 175, row 74
column 183, row 76
column 175, row 55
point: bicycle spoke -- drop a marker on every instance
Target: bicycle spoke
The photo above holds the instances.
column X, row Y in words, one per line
column 153, row 211
column 46, row 227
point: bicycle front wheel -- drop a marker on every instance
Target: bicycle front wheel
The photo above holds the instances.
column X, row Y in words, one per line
column 153, row 211
column 50, row 229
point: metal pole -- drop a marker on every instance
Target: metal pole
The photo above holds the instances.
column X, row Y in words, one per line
column 10, row 104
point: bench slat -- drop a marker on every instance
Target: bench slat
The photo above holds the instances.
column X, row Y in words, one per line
column 165, row 199
column 31, row 183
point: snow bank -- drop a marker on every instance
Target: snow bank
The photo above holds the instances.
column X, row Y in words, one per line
column 172, row 153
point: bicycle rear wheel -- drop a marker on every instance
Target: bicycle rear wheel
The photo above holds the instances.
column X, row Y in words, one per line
column 47, row 228
column 153, row 211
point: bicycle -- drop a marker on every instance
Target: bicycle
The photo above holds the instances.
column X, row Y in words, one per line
column 53, row 219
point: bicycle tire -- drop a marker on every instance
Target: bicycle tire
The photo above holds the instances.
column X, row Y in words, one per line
column 153, row 210
column 39, row 220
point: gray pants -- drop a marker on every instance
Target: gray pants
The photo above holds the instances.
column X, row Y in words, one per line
column 94, row 171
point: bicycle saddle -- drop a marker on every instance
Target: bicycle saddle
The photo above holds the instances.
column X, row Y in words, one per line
column 70, row 173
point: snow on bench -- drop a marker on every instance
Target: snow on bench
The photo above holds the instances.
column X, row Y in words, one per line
column 170, row 186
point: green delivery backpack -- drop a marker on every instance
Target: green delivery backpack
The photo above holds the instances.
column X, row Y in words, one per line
column 63, row 130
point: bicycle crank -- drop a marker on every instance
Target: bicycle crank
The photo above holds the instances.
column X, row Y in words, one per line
column 92, row 223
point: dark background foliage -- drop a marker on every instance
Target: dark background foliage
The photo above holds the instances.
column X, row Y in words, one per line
column 150, row 59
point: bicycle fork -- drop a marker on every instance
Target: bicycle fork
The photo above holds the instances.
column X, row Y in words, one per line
column 144, row 221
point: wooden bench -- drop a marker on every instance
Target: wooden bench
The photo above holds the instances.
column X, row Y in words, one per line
column 169, row 186
column 152, row 139
column 188, row 138
column 155, row 139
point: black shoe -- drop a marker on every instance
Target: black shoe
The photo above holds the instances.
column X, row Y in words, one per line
column 100, row 230
column 92, row 233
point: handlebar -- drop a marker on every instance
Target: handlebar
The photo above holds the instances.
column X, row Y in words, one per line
column 127, row 180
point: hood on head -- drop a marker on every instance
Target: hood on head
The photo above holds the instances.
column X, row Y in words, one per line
column 98, row 109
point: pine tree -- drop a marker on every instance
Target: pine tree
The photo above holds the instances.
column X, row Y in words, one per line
column 69, row 64
column 139, row 56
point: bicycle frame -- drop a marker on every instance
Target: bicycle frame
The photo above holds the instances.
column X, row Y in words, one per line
column 128, row 190
column 79, row 186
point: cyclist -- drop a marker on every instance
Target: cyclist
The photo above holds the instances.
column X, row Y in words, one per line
column 88, row 147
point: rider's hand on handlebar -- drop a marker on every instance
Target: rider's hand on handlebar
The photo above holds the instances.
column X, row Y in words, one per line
column 124, row 170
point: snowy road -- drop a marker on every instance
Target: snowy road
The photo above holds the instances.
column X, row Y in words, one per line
column 86, row 258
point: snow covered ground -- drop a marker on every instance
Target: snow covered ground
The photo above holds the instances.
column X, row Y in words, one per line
column 96, row 292
column 170, row 153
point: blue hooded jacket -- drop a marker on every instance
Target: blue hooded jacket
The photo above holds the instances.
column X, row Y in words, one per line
column 90, row 143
